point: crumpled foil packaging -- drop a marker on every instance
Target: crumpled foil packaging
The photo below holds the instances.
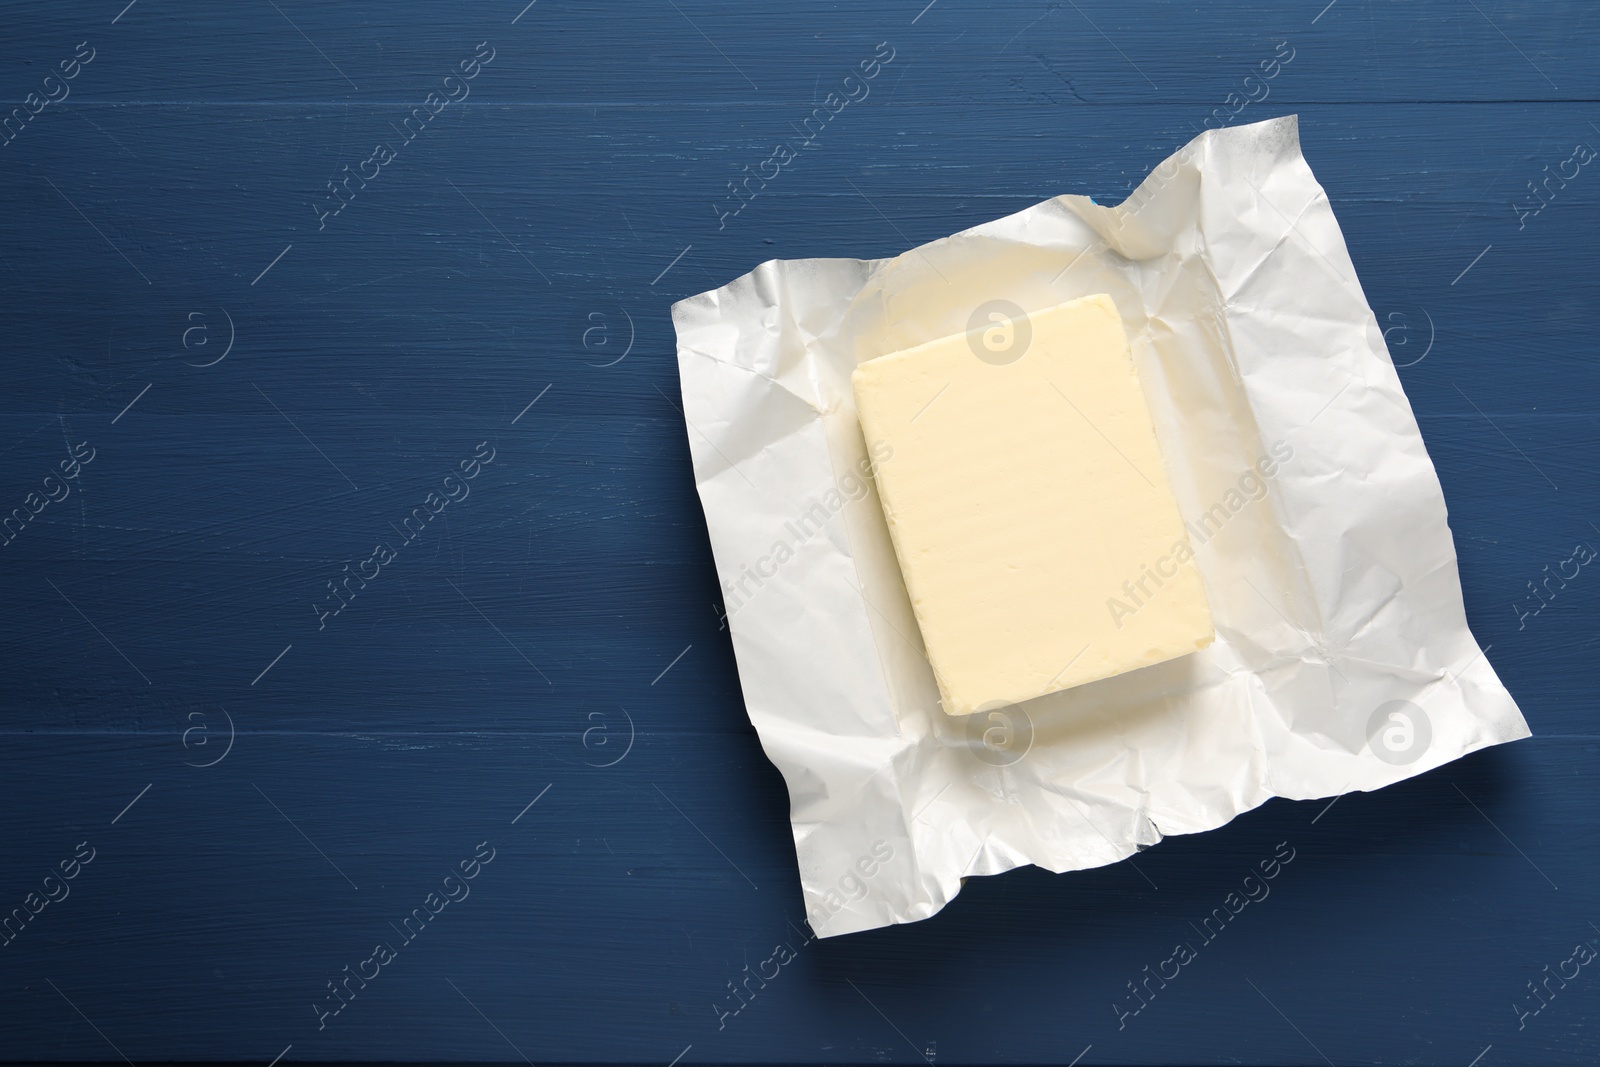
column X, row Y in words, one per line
column 1342, row 659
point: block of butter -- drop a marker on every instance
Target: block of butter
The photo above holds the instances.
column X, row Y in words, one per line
column 1029, row 505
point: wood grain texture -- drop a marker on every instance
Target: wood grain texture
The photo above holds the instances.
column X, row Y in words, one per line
column 510, row 252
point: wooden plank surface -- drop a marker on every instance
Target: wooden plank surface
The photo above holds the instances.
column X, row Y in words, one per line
column 523, row 249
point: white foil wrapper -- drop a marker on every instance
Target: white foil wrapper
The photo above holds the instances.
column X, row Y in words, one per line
column 1342, row 659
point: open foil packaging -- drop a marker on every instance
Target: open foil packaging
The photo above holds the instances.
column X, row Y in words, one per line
column 1342, row 659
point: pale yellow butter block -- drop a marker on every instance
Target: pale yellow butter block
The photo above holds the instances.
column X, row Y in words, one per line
column 1029, row 505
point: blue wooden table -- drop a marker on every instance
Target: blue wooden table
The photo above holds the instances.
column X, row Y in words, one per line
column 358, row 592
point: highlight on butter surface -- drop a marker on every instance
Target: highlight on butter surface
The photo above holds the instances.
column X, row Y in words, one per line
column 1026, row 499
